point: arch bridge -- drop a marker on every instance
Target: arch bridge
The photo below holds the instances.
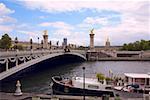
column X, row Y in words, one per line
column 13, row 62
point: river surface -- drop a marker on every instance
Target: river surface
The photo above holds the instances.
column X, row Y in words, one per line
column 39, row 81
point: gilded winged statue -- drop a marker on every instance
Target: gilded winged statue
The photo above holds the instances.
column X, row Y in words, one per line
column 92, row 30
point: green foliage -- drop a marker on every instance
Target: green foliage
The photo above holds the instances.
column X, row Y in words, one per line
column 100, row 77
column 108, row 79
column 137, row 46
column 20, row 47
column 5, row 42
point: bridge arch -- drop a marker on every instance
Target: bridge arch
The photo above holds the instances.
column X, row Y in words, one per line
column 23, row 66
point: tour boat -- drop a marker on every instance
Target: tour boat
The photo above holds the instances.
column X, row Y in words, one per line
column 79, row 86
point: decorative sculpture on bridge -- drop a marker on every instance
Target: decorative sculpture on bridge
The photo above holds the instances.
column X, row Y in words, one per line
column 92, row 31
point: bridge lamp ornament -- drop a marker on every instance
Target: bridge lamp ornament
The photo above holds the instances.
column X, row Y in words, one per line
column 31, row 42
column 16, row 42
column 42, row 43
column 57, row 43
column 92, row 31
column 50, row 44
column 38, row 42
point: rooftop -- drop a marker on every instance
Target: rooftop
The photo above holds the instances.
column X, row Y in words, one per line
column 137, row 75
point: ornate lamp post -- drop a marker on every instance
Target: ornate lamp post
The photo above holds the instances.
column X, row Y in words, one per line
column 57, row 43
column 50, row 44
column 38, row 42
column 31, row 44
column 42, row 43
column 83, row 83
column 16, row 42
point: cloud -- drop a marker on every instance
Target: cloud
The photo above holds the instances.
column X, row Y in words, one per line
column 96, row 20
column 4, row 10
column 27, row 32
column 133, row 23
column 43, row 17
column 129, row 30
column 7, row 19
column 64, row 30
column 30, row 34
column 74, row 5
column 6, row 22
column 58, row 25
column 60, row 28
column 6, row 28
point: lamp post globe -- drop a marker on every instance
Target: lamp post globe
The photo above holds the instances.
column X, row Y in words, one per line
column 16, row 42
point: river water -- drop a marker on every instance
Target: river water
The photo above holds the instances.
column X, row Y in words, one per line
column 39, row 81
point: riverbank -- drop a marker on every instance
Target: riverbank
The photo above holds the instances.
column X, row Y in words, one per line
column 33, row 96
column 118, row 59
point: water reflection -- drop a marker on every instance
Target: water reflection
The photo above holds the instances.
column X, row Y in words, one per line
column 39, row 81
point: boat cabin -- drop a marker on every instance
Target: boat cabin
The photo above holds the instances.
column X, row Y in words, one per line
column 136, row 78
column 90, row 83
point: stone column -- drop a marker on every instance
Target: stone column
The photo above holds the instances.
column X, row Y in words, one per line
column 92, row 40
column 45, row 37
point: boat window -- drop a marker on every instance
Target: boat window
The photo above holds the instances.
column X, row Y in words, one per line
column 93, row 86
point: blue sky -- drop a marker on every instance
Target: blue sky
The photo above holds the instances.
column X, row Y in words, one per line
column 122, row 21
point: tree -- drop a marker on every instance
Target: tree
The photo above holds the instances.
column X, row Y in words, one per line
column 20, row 47
column 137, row 46
column 124, row 47
column 100, row 77
column 5, row 42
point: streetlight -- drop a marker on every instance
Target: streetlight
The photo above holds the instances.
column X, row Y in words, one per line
column 50, row 44
column 38, row 42
column 42, row 43
column 83, row 83
column 57, row 43
column 16, row 42
column 31, row 44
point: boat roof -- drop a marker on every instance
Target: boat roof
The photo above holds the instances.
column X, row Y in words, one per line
column 87, row 80
column 137, row 75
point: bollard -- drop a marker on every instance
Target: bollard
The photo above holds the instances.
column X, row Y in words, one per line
column 18, row 90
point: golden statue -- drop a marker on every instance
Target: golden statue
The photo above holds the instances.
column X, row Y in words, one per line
column 45, row 32
column 92, row 31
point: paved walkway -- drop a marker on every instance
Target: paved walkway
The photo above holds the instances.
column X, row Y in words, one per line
column 31, row 96
column 10, row 96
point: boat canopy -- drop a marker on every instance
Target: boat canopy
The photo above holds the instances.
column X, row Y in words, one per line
column 87, row 80
column 137, row 75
